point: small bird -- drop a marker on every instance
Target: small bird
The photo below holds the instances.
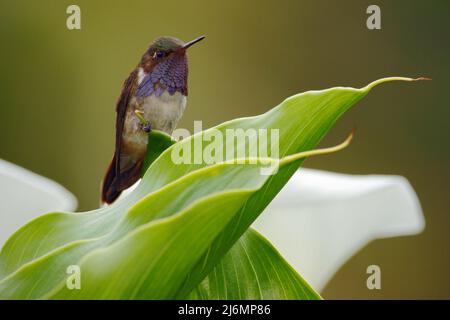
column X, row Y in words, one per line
column 153, row 97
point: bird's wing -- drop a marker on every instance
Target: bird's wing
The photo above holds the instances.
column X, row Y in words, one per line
column 147, row 85
column 121, row 109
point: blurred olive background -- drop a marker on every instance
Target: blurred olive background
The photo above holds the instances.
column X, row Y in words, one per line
column 58, row 91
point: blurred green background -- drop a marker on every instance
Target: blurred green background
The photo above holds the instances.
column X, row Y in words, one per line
column 59, row 88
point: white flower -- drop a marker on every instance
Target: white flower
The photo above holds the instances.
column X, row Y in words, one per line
column 24, row 195
column 320, row 219
column 317, row 221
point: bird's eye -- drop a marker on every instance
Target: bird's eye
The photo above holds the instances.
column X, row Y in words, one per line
column 158, row 54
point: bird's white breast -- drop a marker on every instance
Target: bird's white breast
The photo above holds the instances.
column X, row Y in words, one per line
column 162, row 112
column 165, row 111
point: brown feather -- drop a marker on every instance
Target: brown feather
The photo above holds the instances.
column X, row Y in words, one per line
column 112, row 184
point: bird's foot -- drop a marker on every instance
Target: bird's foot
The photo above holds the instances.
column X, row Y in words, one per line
column 145, row 125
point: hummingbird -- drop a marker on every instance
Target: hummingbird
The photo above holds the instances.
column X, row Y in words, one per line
column 153, row 97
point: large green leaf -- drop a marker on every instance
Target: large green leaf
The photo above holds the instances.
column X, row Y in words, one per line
column 159, row 239
column 303, row 120
column 253, row 270
column 108, row 242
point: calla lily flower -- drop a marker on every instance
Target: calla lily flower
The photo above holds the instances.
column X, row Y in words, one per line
column 24, row 195
column 321, row 219
column 317, row 221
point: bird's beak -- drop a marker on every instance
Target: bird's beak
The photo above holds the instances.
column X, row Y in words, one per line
column 190, row 43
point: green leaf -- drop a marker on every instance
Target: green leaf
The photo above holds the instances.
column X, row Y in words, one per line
column 164, row 238
column 159, row 141
column 53, row 230
column 159, row 239
column 303, row 120
column 253, row 270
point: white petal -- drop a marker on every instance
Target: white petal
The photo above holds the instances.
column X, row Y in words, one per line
column 25, row 195
column 320, row 219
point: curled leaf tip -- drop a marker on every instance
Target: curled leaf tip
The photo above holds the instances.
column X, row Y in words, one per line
column 317, row 152
column 375, row 83
column 345, row 143
column 351, row 135
column 422, row 78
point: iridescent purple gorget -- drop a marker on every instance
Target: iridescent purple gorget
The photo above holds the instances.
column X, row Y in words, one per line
column 170, row 75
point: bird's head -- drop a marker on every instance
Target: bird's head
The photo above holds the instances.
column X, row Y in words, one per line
column 165, row 63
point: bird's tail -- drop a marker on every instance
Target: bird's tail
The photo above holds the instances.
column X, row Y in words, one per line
column 116, row 181
column 110, row 186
